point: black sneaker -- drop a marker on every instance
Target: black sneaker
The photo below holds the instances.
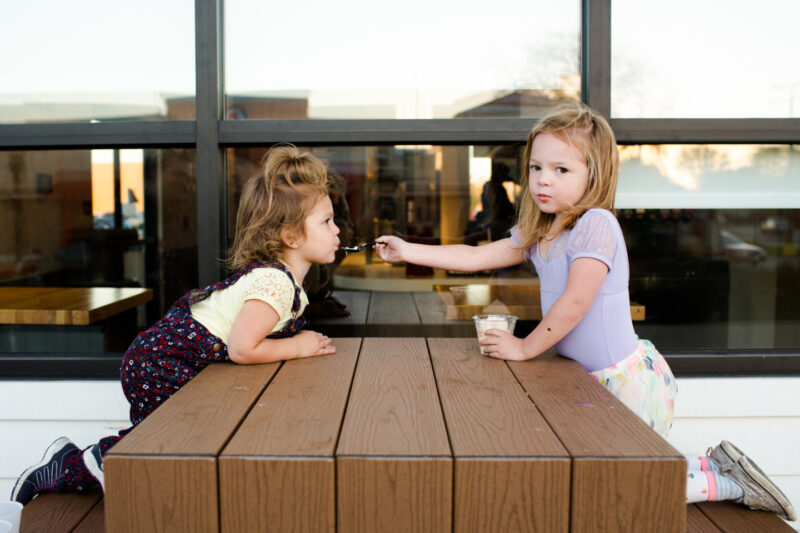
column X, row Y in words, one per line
column 42, row 476
column 94, row 463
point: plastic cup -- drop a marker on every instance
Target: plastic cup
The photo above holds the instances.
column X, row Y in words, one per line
column 7, row 527
column 487, row 322
column 11, row 512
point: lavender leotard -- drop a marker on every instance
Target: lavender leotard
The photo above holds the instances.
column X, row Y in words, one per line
column 605, row 335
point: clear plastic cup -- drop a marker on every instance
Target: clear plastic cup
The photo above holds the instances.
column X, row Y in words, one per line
column 487, row 322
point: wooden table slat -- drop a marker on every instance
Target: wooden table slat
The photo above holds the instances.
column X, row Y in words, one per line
column 624, row 475
column 511, row 471
column 488, row 413
column 163, row 475
column 279, row 467
column 394, row 468
column 394, row 406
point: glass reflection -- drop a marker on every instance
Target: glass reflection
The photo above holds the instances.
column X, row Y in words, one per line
column 421, row 60
column 102, row 61
column 706, row 278
column 686, row 59
column 98, row 218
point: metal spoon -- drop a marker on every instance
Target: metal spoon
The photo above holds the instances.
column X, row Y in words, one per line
column 358, row 248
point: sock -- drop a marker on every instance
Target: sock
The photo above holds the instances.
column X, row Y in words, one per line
column 711, row 486
column 703, row 463
column 696, row 486
column 727, row 489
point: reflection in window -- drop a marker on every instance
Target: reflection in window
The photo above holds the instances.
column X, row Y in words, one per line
column 100, row 218
column 713, row 234
column 707, row 275
column 686, row 59
column 103, row 61
column 415, row 61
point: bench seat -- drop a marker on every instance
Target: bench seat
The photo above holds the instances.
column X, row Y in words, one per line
column 71, row 513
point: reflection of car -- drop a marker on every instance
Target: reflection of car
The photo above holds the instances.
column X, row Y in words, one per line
column 736, row 248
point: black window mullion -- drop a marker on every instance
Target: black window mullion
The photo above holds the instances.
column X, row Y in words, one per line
column 77, row 135
column 596, row 55
column 211, row 190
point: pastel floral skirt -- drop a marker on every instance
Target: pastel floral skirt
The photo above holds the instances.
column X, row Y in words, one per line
column 644, row 382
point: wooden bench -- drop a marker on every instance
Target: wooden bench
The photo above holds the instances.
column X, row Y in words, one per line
column 66, row 513
column 394, row 434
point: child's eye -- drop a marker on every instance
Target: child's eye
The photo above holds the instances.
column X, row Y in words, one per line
column 535, row 168
column 561, row 170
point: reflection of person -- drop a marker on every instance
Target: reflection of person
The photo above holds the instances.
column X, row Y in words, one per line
column 284, row 225
column 496, row 216
column 566, row 228
column 498, row 211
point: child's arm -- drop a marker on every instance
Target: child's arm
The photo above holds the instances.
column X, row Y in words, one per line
column 586, row 276
column 255, row 321
column 460, row 257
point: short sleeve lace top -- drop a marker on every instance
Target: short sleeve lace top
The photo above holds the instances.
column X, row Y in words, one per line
column 605, row 335
column 270, row 285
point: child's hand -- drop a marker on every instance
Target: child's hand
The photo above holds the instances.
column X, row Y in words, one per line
column 311, row 343
column 503, row 345
column 389, row 248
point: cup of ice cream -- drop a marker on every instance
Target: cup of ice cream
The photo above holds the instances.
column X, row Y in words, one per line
column 483, row 323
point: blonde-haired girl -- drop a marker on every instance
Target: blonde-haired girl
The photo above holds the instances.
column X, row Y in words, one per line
column 284, row 225
column 566, row 227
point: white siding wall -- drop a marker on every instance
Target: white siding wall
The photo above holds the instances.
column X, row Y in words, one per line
column 760, row 415
column 34, row 413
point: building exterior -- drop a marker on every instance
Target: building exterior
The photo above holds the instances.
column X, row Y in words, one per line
column 124, row 148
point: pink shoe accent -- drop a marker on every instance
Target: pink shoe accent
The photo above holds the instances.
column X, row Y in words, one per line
column 703, row 463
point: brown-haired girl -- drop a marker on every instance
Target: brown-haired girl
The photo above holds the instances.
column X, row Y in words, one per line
column 284, row 225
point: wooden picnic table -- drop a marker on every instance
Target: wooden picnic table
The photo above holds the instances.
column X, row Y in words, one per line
column 73, row 306
column 395, row 434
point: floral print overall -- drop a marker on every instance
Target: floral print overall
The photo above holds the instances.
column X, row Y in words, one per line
column 165, row 357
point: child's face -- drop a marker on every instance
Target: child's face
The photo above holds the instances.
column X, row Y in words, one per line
column 558, row 174
column 321, row 234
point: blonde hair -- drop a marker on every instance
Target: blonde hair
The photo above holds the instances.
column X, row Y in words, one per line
column 588, row 132
column 277, row 200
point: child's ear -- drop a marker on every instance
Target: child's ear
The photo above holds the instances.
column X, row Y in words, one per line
column 289, row 238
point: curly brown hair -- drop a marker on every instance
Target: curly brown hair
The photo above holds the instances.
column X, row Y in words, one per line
column 276, row 201
column 582, row 127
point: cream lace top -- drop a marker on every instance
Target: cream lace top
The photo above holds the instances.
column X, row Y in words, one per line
column 270, row 285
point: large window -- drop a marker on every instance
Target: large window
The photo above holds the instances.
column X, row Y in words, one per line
column 96, row 218
column 125, row 141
